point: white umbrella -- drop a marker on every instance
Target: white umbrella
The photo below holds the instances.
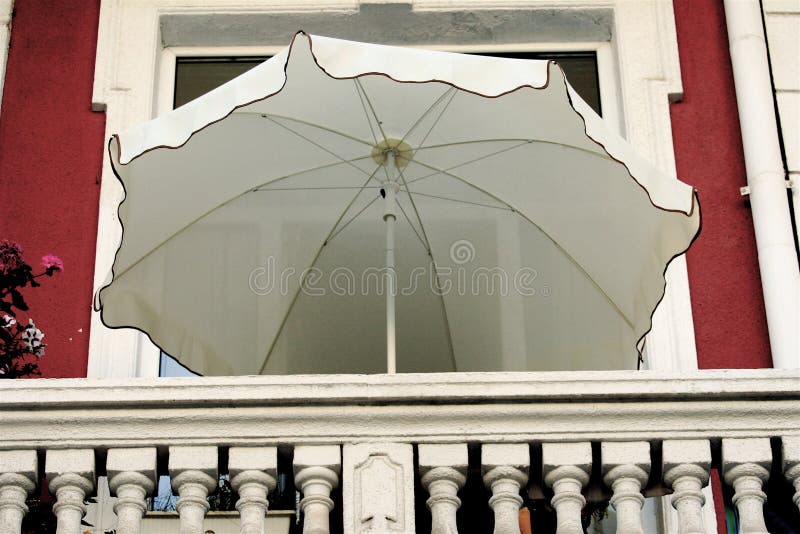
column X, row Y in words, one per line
column 260, row 219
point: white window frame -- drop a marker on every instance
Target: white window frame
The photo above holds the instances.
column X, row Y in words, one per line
column 638, row 66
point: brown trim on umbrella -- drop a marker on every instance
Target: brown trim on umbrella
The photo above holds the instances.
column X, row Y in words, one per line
column 641, row 340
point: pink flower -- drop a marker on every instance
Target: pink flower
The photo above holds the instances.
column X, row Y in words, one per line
column 52, row 263
column 10, row 256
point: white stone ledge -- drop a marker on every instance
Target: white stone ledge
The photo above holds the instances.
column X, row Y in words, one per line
column 431, row 408
column 439, row 388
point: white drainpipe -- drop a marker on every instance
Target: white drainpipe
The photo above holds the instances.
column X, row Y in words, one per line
column 777, row 259
column 6, row 8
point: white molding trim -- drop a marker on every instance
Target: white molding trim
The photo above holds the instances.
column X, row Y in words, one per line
column 410, row 408
column 133, row 33
column 6, row 10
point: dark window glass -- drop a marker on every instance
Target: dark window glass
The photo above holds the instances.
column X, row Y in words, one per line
column 197, row 76
column 580, row 68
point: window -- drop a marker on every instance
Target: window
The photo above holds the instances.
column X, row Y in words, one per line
column 636, row 55
column 195, row 76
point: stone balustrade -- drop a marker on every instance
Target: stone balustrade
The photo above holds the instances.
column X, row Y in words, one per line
column 357, row 448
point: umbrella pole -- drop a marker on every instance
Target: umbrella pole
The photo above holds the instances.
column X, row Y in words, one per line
column 389, row 217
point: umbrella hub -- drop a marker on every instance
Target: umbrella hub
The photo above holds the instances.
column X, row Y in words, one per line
column 403, row 153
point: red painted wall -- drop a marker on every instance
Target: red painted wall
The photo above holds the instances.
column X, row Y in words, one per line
column 727, row 302
column 51, row 148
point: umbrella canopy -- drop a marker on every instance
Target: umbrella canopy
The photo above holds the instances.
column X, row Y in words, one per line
column 259, row 218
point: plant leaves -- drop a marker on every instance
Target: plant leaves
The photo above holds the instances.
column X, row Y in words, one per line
column 18, row 301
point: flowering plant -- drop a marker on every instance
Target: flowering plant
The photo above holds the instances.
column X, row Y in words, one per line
column 19, row 340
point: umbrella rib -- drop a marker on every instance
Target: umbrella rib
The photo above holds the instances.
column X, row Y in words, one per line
column 504, row 208
column 255, row 189
column 430, row 253
column 364, row 107
column 414, row 205
column 332, row 188
column 372, row 109
column 329, row 151
column 313, row 263
column 403, row 211
column 441, row 114
column 266, row 184
column 522, row 142
column 307, row 123
column 444, row 312
column 474, row 141
column 486, row 156
column 546, row 234
column 377, row 120
column 428, row 111
column 602, row 155
column 353, row 218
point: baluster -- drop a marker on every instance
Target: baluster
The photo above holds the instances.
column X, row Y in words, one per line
column 194, row 475
column 131, row 477
column 566, row 468
column 71, row 474
column 505, row 471
column 686, row 464
column 316, row 473
column 253, row 472
column 791, row 464
column 19, row 471
column 626, row 467
column 745, row 464
column 444, row 472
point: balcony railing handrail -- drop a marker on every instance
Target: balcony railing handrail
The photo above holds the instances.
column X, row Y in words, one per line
column 428, row 408
column 446, row 388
